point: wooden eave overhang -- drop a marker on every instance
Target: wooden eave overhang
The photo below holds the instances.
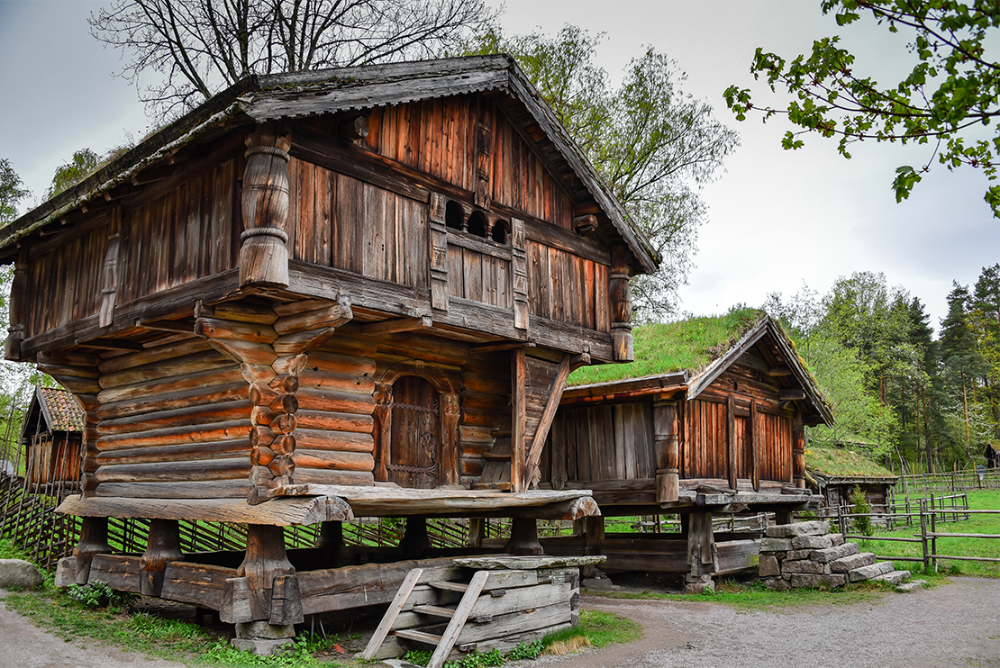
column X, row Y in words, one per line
column 617, row 390
column 767, row 331
column 294, row 95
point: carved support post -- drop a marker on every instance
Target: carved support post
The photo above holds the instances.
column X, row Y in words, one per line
column 265, row 560
column 519, row 273
column 18, row 306
column 415, row 542
column 703, row 557
column 263, row 256
column 382, row 417
column 450, row 456
column 484, row 164
column 331, row 539
column 621, row 306
column 477, row 532
column 592, row 530
column 798, row 452
column 438, row 238
column 93, row 541
column 667, row 443
column 163, row 546
column 519, row 401
column 523, row 537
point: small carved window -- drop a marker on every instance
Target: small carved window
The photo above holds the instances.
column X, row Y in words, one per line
column 454, row 217
column 477, row 224
column 501, row 231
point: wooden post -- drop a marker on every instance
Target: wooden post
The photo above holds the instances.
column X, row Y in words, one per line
column 798, row 451
column 620, row 300
column 18, row 306
column 331, row 538
column 523, row 537
column 263, row 256
column 519, row 273
column 731, row 440
column 163, row 546
column 667, row 443
column 382, row 416
column 110, row 278
column 438, row 239
column 450, row 415
column 415, row 542
column 264, row 561
column 923, row 536
column 703, row 558
column 93, row 541
column 754, row 439
column 519, row 400
column 477, row 532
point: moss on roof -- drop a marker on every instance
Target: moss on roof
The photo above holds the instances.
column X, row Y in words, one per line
column 843, row 463
column 687, row 345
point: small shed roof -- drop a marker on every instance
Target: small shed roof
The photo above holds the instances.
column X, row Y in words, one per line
column 262, row 98
column 59, row 409
column 691, row 354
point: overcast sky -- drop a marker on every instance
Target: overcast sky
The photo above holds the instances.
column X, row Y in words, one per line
column 778, row 220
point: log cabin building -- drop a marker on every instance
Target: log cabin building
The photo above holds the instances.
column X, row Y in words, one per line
column 833, row 471
column 51, row 435
column 320, row 295
column 708, row 419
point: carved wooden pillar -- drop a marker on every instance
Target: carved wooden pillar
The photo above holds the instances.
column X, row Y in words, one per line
column 415, row 542
column 703, row 557
column 93, row 541
column 523, row 537
column 484, row 162
column 667, row 443
column 265, row 561
column 798, row 452
column 163, row 546
column 621, row 306
column 18, row 306
column 450, row 414
column 519, row 273
column 438, row 238
column 382, row 417
column 263, row 256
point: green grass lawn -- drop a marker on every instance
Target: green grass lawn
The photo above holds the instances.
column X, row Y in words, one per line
column 962, row 547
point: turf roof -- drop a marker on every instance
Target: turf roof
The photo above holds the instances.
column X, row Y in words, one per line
column 687, row 345
column 843, row 463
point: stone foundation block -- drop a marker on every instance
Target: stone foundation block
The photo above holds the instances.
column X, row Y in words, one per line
column 868, row 572
column 768, row 565
column 792, row 555
column 911, row 585
column 810, row 580
column 260, row 647
column 264, row 631
column 812, row 542
column 777, row 584
column 837, row 538
column 813, row 528
column 698, row 584
column 845, row 564
column 805, row 566
column 833, row 553
column 65, row 572
column 775, row 544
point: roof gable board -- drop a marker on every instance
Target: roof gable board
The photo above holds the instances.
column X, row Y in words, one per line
column 292, row 95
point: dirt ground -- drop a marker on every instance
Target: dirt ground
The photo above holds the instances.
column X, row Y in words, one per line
column 952, row 625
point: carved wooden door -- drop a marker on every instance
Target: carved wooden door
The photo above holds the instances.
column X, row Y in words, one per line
column 415, row 440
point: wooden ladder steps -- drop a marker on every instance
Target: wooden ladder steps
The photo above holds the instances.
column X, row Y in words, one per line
column 449, row 586
column 434, row 610
column 419, row 636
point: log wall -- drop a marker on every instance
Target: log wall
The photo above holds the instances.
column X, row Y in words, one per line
column 173, row 422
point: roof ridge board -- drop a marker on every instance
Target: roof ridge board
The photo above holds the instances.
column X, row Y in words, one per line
column 715, row 368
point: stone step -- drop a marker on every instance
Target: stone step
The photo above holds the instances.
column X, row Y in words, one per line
column 812, row 541
column 868, row 572
column 813, row 528
column 816, row 580
column 833, row 553
column 911, row 585
column 895, row 577
column 845, row 564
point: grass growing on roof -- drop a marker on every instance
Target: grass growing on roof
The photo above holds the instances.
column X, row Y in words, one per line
column 843, row 463
column 676, row 346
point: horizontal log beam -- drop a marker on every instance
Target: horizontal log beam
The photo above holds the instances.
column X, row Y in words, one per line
column 280, row 512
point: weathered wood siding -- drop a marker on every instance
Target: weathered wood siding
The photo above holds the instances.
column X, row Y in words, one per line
column 439, row 137
column 567, row 287
column 607, row 442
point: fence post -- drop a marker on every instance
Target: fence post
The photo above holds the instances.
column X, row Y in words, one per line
column 923, row 536
column 934, row 562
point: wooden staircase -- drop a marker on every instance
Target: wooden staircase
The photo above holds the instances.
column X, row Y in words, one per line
column 440, row 612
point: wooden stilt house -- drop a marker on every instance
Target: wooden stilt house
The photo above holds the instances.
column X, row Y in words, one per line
column 322, row 295
column 51, row 434
column 834, row 471
column 707, row 420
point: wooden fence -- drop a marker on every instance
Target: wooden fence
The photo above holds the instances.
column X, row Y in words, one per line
column 952, row 481
column 927, row 517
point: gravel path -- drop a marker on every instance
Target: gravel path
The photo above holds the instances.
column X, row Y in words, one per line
column 951, row 625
